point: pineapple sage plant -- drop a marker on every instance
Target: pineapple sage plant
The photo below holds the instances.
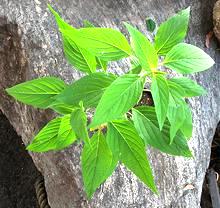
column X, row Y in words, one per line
column 121, row 128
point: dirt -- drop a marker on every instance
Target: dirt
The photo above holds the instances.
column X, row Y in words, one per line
column 17, row 171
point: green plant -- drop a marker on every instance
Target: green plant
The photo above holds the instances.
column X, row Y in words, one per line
column 120, row 128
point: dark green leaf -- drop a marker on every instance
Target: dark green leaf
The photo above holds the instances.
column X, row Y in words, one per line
column 151, row 25
column 186, row 59
column 39, row 92
column 132, row 151
column 56, row 135
column 96, row 163
column 172, row 32
column 148, row 128
column 88, row 89
column 160, row 94
column 143, row 49
column 191, row 87
column 118, row 98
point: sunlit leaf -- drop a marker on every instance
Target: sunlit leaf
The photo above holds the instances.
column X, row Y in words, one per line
column 39, row 92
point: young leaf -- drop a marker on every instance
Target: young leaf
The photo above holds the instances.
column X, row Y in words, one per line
column 145, row 121
column 79, row 57
column 132, row 151
column 38, row 92
column 56, row 135
column 96, row 162
column 186, row 59
column 151, row 25
column 172, row 32
column 143, row 49
column 78, row 122
column 89, row 89
column 118, row 98
column 107, row 44
column 160, row 94
column 191, row 87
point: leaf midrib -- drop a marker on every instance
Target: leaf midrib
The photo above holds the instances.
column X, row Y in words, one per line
column 127, row 89
column 182, row 59
column 129, row 149
column 101, row 42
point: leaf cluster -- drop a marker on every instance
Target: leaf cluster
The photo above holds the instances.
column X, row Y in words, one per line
column 119, row 130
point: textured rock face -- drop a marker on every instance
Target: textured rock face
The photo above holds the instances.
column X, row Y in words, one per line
column 30, row 47
column 216, row 19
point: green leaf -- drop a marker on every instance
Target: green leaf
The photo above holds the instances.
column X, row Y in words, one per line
column 60, row 22
column 187, row 126
column 172, row 32
column 132, row 151
column 191, row 87
column 107, row 44
column 78, row 122
column 118, row 98
column 56, row 135
column 143, row 49
column 151, row 25
column 177, row 92
column 101, row 64
column 113, row 140
column 176, row 109
column 135, row 66
column 38, row 92
column 160, row 94
column 146, row 123
column 88, row 89
column 176, row 117
column 79, row 57
column 186, row 59
column 96, row 162
column 61, row 107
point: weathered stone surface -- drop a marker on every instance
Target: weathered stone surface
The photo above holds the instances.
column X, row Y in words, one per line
column 30, row 47
column 216, row 19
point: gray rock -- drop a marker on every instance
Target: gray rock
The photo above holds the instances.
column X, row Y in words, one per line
column 31, row 47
